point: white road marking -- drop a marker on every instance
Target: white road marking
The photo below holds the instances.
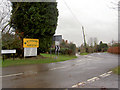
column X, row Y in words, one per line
column 102, row 75
column 30, row 72
column 93, row 79
column 74, row 86
column 109, row 72
column 107, row 75
column 11, row 75
column 90, row 80
column 97, row 78
column 78, row 84
column 57, row 68
column 82, row 83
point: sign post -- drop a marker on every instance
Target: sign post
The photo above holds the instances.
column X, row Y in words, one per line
column 57, row 39
column 8, row 52
column 30, row 47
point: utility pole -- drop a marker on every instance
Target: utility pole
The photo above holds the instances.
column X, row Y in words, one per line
column 84, row 39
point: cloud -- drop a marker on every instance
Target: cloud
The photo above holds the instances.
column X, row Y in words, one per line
column 97, row 18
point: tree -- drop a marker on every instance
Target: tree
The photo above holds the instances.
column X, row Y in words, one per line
column 114, row 4
column 36, row 20
column 10, row 41
column 5, row 12
column 102, row 47
column 95, row 41
column 72, row 47
column 90, row 41
column 5, row 15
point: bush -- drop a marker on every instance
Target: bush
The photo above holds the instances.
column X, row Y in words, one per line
column 12, row 41
column 63, row 51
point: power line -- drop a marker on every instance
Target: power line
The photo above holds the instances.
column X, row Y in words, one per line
column 72, row 12
column 77, row 21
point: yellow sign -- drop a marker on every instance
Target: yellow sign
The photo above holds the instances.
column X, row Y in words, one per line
column 30, row 42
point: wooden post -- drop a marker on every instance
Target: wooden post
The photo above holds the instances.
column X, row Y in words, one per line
column 3, row 57
column 13, row 56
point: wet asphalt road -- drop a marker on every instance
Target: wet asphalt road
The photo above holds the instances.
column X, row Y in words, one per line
column 63, row 74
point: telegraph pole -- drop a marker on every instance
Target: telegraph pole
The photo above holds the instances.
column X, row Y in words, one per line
column 84, row 39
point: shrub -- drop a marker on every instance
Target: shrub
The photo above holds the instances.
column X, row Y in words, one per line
column 12, row 41
column 63, row 51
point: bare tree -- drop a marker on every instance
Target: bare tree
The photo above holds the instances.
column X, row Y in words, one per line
column 95, row 41
column 91, row 41
column 5, row 13
column 113, row 4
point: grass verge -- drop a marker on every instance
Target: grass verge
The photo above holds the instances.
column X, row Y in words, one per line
column 43, row 58
column 116, row 70
column 84, row 53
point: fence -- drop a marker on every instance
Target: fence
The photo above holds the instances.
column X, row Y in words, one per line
column 115, row 50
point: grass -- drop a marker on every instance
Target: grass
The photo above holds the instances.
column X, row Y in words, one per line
column 43, row 58
column 105, row 52
column 116, row 70
column 84, row 53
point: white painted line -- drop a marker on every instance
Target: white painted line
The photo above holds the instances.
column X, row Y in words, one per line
column 109, row 72
column 90, row 80
column 74, row 86
column 97, row 78
column 57, row 68
column 93, row 79
column 11, row 75
column 102, row 75
column 107, row 75
column 82, row 83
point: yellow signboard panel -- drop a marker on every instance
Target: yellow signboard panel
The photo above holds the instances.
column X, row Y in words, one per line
column 30, row 43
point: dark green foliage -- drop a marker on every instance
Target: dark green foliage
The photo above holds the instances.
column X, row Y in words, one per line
column 64, row 44
column 10, row 41
column 63, row 51
column 67, row 48
column 37, row 20
column 72, row 48
column 102, row 47
column 116, row 45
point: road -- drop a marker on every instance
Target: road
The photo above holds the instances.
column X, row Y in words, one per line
column 88, row 71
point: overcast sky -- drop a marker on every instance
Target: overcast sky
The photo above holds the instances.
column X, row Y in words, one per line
column 97, row 17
